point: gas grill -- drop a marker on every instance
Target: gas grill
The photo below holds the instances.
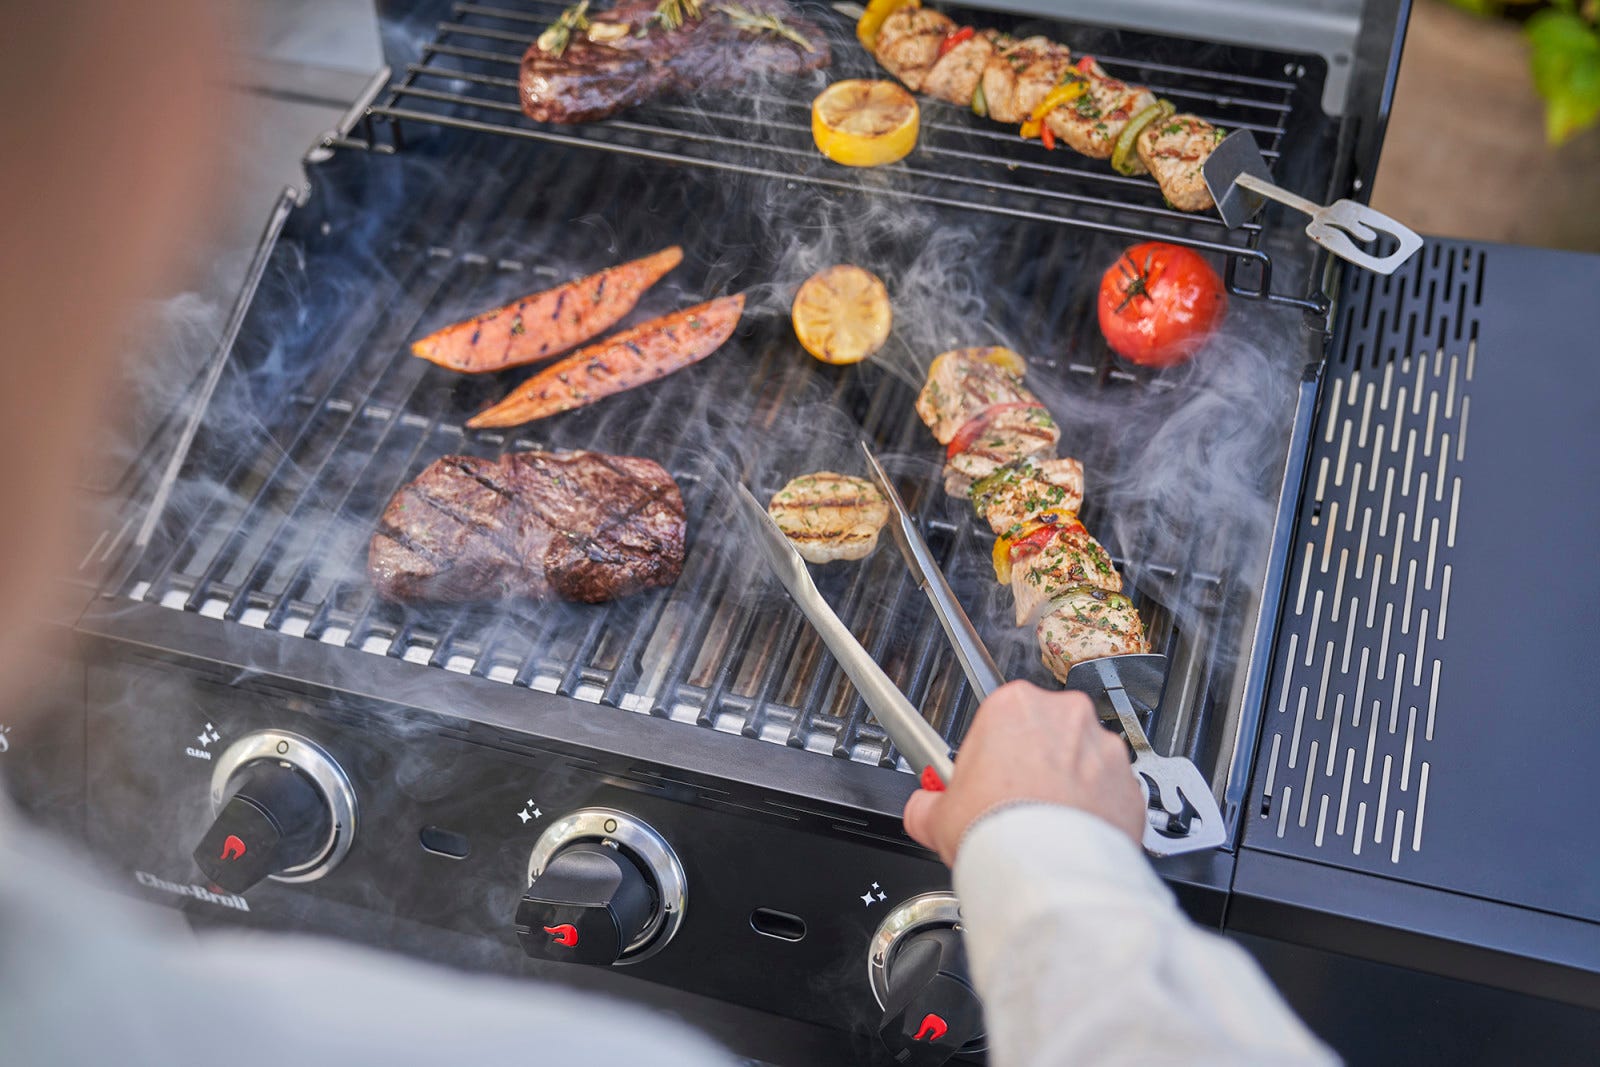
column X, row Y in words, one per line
column 704, row 727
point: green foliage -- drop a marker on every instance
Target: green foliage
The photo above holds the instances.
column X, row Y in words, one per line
column 1566, row 68
column 1564, row 38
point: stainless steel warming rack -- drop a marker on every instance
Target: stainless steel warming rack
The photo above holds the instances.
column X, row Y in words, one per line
column 466, row 77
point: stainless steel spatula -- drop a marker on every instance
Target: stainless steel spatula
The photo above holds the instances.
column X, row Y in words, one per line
column 1182, row 814
column 1241, row 184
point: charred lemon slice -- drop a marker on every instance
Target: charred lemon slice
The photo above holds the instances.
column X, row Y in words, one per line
column 841, row 314
column 864, row 123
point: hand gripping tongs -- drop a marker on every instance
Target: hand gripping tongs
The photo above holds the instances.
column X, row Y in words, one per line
column 1182, row 813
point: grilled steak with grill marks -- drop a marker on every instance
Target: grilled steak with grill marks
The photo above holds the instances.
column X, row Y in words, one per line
column 575, row 525
column 601, row 71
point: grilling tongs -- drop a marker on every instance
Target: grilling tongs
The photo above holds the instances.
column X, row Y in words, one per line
column 924, row 749
column 1183, row 815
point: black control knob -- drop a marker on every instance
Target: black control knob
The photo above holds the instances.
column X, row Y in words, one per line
column 590, row 904
column 930, row 1009
column 275, row 819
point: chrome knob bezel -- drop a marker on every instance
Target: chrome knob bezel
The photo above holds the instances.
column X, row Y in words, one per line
column 912, row 916
column 312, row 760
column 641, row 842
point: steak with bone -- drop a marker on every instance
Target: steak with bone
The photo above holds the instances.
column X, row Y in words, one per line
column 575, row 525
column 628, row 55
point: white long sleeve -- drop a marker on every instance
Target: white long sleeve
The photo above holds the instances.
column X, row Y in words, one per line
column 1082, row 956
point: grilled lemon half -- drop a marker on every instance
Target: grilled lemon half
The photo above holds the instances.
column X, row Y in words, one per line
column 841, row 314
column 863, row 123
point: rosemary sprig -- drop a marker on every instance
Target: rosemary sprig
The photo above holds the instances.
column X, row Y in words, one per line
column 762, row 22
column 555, row 39
column 672, row 14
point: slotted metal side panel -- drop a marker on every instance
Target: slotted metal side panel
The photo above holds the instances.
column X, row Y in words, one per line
column 1346, row 757
column 1431, row 715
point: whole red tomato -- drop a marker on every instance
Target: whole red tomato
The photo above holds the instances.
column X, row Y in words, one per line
column 1159, row 302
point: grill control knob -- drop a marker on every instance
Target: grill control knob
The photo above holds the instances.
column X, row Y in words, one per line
column 603, row 888
column 918, row 969
column 283, row 809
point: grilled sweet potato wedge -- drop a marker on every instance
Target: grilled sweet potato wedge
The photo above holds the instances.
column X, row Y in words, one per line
column 546, row 324
column 648, row 351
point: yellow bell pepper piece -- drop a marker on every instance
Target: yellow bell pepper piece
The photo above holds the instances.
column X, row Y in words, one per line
column 873, row 18
column 1055, row 518
column 1062, row 94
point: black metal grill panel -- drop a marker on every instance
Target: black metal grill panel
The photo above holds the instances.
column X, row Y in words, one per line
column 466, row 77
column 1347, row 752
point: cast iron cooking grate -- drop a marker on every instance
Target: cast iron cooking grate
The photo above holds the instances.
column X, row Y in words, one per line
column 466, row 78
column 268, row 526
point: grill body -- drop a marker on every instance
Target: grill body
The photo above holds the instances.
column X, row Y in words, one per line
column 709, row 709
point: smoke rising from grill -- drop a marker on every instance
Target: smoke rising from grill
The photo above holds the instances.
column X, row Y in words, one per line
column 1181, row 467
column 322, row 414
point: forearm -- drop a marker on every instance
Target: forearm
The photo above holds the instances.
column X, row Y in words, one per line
column 1081, row 955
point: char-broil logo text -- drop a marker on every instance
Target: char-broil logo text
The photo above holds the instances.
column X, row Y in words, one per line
column 198, row 892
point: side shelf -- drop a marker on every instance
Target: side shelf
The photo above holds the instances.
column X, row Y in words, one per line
column 1428, row 718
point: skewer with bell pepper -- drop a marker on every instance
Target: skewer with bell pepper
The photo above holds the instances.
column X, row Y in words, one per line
column 1036, row 126
column 1043, row 551
column 1094, row 113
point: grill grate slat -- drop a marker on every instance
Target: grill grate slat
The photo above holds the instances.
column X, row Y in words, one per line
column 281, row 544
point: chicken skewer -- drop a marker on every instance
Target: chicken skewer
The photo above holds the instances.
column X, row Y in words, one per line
column 1036, row 82
column 1064, row 581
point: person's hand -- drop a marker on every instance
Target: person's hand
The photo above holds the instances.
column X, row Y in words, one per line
column 1029, row 745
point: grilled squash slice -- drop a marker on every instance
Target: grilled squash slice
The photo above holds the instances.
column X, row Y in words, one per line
column 830, row 516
